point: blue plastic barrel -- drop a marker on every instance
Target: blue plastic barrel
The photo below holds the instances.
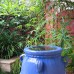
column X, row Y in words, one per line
column 43, row 60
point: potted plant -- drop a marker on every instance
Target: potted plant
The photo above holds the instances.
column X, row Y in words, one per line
column 12, row 34
column 10, row 46
column 58, row 36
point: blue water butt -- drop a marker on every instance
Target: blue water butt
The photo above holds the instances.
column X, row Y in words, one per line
column 42, row 60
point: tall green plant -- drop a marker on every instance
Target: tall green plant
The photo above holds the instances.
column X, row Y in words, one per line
column 36, row 33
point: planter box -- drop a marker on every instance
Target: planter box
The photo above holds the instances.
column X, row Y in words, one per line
column 5, row 64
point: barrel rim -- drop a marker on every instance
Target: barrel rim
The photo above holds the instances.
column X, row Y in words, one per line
column 30, row 52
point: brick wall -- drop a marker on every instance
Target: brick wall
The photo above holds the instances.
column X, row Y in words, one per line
column 67, row 14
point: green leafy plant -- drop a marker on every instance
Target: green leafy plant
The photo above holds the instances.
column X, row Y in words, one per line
column 10, row 7
column 10, row 44
column 11, row 37
column 36, row 33
column 13, row 17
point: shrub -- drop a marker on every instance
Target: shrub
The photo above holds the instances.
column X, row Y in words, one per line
column 13, row 17
column 11, row 35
